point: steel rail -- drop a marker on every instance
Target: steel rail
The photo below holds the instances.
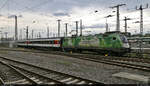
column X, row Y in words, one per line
column 124, row 58
column 127, row 65
column 19, row 72
column 2, row 81
column 56, row 81
column 103, row 60
column 60, row 73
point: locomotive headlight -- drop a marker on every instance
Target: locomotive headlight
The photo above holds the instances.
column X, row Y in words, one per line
column 125, row 45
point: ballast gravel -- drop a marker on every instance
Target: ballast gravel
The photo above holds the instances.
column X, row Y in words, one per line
column 86, row 69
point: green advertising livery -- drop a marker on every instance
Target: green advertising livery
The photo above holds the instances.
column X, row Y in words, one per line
column 111, row 42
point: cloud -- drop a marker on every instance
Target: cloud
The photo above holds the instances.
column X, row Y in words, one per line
column 96, row 26
column 61, row 14
column 47, row 11
column 101, row 25
column 54, row 5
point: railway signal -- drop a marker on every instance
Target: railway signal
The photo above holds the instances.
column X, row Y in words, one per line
column 118, row 16
column 125, row 19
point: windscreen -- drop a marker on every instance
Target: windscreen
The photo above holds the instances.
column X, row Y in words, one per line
column 124, row 39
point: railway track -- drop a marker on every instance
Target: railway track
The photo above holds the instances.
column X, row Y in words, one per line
column 91, row 55
column 1, row 81
column 140, row 60
column 108, row 60
column 117, row 63
column 51, row 76
column 18, row 72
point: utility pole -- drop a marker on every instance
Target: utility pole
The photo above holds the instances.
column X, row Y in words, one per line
column 53, row 34
column 141, row 17
column 66, row 25
column 76, row 28
column 125, row 19
column 64, row 34
column 16, row 32
column 81, row 27
column 6, row 35
column 118, row 16
column 39, row 35
column 107, row 26
column 47, row 32
column 27, row 32
column 107, row 29
column 141, row 29
column 20, row 34
column 1, row 35
column 141, row 20
column 32, row 33
column 59, row 27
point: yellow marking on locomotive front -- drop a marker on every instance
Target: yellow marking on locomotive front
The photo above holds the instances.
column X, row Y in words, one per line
column 70, row 52
column 106, row 54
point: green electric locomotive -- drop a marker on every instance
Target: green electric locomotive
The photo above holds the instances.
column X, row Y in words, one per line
column 107, row 43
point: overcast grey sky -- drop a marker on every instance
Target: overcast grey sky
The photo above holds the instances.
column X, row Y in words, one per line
column 38, row 14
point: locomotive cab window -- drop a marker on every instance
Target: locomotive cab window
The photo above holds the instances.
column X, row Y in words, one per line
column 114, row 38
column 124, row 39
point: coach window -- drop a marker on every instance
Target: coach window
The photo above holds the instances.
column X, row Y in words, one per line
column 44, row 42
column 35, row 42
column 47, row 42
column 40, row 42
column 50, row 42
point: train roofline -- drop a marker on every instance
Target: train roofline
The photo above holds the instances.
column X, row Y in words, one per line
column 39, row 39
